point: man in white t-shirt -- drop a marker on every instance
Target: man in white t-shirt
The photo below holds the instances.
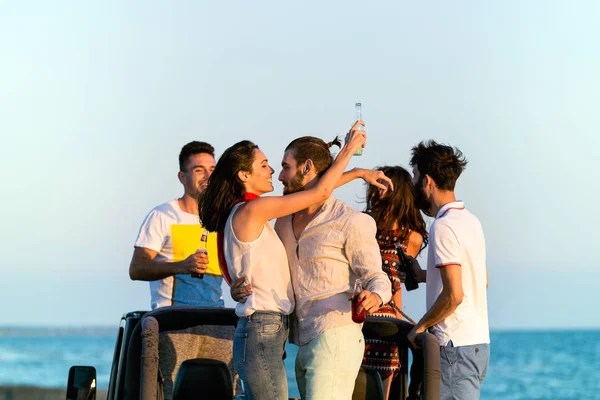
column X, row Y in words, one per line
column 181, row 270
column 456, row 273
column 168, row 252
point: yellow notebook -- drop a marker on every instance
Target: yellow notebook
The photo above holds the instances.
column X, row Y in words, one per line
column 186, row 240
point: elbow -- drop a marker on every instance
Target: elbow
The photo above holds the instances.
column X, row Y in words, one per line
column 456, row 298
column 133, row 273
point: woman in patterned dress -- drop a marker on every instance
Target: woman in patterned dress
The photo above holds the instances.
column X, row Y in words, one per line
column 398, row 221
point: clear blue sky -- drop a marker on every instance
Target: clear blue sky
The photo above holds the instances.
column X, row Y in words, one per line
column 96, row 100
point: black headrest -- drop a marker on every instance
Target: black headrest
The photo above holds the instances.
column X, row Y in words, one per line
column 389, row 329
column 183, row 317
column 367, row 385
column 203, row 378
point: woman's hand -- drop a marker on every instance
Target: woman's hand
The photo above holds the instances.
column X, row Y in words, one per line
column 378, row 179
column 356, row 138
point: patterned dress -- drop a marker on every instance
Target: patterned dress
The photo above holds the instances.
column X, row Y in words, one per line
column 379, row 354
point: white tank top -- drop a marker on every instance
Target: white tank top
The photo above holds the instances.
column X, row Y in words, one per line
column 264, row 264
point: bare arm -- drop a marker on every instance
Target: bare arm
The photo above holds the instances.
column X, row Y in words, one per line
column 415, row 241
column 371, row 176
column 253, row 215
column 448, row 300
column 144, row 267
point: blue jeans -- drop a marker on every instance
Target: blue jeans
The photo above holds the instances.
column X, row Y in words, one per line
column 463, row 370
column 258, row 347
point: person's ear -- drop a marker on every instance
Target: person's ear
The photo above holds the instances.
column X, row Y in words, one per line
column 429, row 183
column 181, row 177
column 242, row 176
column 308, row 166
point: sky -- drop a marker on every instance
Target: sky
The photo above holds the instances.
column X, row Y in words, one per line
column 97, row 99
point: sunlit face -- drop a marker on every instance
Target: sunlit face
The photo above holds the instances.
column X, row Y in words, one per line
column 422, row 194
column 260, row 179
column 198, row 169
column 291, row 174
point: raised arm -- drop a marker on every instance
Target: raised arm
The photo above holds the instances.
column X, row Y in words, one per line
column 371, row 176
column 267, row 208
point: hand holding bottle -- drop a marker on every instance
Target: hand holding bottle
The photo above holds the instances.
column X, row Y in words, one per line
column 202, row 249
column 358, row 117
column 356, row 137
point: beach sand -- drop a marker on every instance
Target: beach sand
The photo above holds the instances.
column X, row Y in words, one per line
column 38, row 393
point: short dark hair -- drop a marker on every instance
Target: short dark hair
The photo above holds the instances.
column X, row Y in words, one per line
column 191, row 149
column 442, row 162
column 316, row 149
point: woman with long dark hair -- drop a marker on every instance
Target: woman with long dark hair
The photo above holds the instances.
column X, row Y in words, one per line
column 398, row 222
column 232, row 206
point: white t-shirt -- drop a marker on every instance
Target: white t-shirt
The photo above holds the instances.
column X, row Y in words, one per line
column 174, row 235
column 456, row 237
column 264, row 264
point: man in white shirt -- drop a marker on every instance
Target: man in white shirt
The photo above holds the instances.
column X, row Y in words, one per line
column 167, row 250
column 329, row 246
column 168, row 253
column 456, row 273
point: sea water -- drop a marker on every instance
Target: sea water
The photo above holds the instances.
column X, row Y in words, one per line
column 524, row 364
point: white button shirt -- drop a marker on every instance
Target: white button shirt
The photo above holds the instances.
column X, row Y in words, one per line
column 337, row 247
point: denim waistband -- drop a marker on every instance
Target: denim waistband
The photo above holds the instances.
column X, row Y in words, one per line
column 451, row 344
column 266, row 314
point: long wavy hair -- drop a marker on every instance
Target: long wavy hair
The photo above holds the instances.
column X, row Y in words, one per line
column 225, row 189
column 397, row 206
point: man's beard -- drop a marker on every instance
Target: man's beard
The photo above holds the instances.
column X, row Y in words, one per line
column 295, row 184
column 422, row 202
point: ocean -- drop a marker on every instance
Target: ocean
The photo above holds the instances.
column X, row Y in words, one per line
column 524, row 364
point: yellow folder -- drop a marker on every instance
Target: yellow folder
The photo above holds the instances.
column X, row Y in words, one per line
column 186, row 240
